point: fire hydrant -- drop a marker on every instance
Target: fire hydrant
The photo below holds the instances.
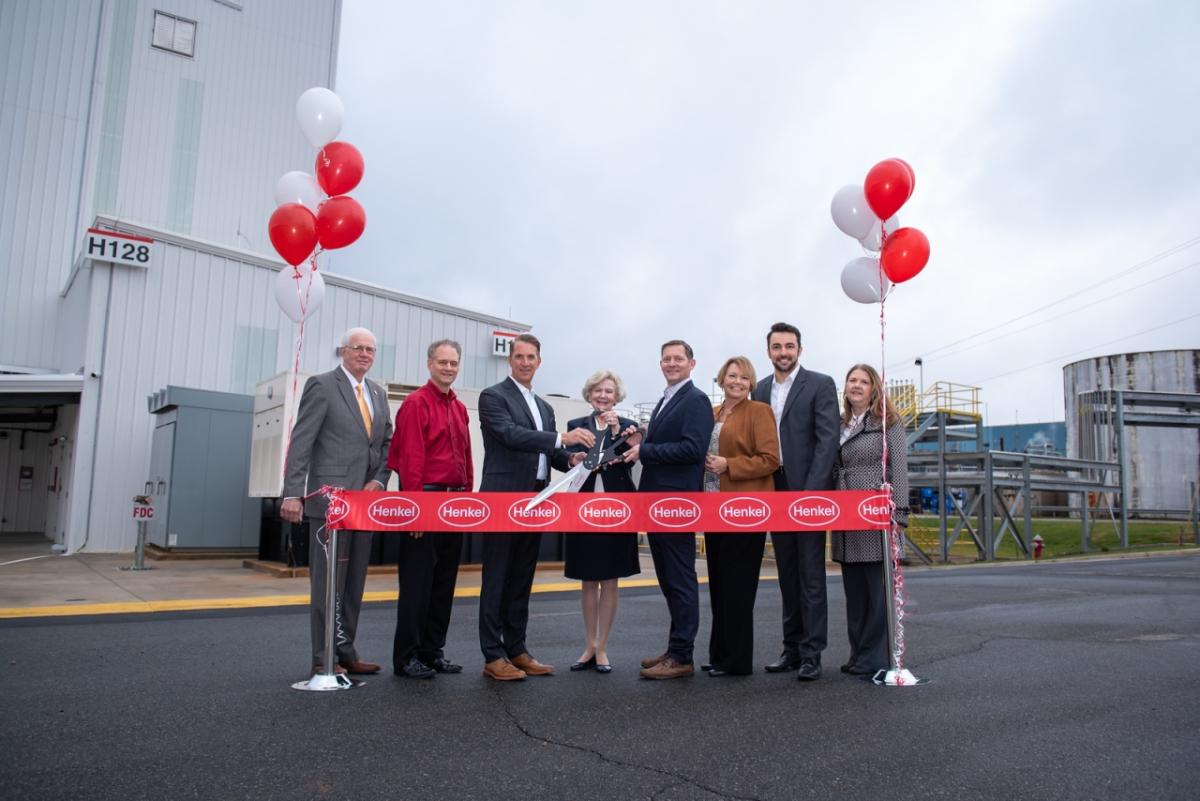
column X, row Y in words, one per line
column 1038, row 545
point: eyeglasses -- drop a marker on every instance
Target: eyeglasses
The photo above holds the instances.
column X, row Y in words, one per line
column 362, row 349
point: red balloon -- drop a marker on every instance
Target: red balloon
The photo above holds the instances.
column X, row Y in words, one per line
column 912, row 175
column 293, row 232
column 339, row 168
column 904, row 254
column 888, row 186
column 340, row 221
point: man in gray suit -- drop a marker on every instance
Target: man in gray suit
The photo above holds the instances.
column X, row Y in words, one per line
column 806, row 413
column 340, row 438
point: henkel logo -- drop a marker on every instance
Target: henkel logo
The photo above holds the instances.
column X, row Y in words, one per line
column 464, row 512
column 338, row 509
column 605, row 512
column 674, row 512
column 745, row 512
column 542, row 515
column 876, row 509
column 393, row 512
column 816, row 511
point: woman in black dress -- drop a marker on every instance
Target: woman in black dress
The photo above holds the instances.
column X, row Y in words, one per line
column 598, row 560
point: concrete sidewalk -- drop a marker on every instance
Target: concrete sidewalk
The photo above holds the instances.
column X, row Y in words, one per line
column 36, row 583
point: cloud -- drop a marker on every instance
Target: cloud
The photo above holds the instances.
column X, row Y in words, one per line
column 620, row 174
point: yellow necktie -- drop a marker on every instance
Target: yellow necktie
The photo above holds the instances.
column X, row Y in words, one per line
column 362, row 407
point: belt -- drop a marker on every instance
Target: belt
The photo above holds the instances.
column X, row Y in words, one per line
column 442, row 488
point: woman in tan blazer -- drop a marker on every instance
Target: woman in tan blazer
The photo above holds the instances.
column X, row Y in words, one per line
column 743, row 456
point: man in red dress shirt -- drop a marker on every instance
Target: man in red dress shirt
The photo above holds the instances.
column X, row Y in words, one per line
column 430, row 451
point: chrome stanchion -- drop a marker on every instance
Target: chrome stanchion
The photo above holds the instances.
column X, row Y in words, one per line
column 329, row 679
column 895, row 675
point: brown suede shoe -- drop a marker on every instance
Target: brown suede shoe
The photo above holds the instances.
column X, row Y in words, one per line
column 652, row 661
column 531, row 666
column 667, row 669
column 321, row 669
column 359, row 667
column 502, row 670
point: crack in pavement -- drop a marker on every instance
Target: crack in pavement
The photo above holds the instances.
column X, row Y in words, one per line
column 679, row 778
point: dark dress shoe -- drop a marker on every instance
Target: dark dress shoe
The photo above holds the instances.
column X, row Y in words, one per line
column 415, row 669
column 443, row 665
column 707, row 666
column 847, row 668
column 716, row 672
column 784, row 664
column 588, row 665
column 857, row 670
column 603, row 668
column 809, row 670
column 360, row 668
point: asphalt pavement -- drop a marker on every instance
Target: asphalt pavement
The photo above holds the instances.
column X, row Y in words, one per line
column 1048, row 681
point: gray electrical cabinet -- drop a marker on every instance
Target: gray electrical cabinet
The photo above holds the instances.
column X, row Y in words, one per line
column 199, row 468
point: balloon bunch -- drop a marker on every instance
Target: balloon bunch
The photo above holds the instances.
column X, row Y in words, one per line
column 868, row 213
column 315, row 214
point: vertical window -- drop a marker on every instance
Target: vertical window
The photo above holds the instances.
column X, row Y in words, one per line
column 174, row 34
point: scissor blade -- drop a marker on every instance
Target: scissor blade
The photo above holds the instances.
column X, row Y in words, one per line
column 559, row 485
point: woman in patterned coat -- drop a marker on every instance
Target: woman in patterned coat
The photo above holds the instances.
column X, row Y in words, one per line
column 861, row 553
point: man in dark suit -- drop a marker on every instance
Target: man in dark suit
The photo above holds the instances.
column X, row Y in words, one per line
column 806, row 411
column 520, row 444
column 672, row 454
column 340, row 438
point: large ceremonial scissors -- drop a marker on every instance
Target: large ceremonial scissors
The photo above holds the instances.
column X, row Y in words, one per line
column 597, row 456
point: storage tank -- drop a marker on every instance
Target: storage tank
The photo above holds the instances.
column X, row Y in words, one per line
column 1161, row 462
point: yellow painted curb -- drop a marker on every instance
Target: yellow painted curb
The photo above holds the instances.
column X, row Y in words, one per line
column 265, row 601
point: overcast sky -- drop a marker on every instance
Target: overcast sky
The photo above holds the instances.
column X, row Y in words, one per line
column 618, row 174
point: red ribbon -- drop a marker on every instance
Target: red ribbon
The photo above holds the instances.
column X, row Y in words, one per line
column 728, row 512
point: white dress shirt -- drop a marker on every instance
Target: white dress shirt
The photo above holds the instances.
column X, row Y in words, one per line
column 543, row 471
column 779, row 396
column 366, row 389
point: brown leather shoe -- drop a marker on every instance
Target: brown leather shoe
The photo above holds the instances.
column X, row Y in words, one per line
column 531, row 666
column 667, row 669
column 652, row 661
column 502, row 670
column 321, row 669
column 359, row 667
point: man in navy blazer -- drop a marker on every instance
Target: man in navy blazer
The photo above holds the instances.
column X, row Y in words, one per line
column 520, row 444
column 806, row 414
column 672, row 454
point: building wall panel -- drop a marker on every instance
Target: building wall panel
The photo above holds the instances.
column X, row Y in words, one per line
column 47, row 50
column 178, row 322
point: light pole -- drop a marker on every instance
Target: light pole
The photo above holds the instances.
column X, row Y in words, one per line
column 920, row 363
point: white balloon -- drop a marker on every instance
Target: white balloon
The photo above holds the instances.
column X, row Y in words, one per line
column 873, row 241
column 299, row 291
column 861, row 280
column 299, row 187
column 320, row 112
column 851, row 213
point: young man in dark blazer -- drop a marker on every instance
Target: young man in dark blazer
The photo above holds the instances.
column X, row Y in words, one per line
column 520, row 445
column 672, row 454
column 806, row 411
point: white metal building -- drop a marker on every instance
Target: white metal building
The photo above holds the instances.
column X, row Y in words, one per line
column 170, row 120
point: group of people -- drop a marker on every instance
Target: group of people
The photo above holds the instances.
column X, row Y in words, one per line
column 781, row 433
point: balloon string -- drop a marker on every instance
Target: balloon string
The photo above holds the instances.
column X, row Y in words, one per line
column 896, row 591
column 302, row 298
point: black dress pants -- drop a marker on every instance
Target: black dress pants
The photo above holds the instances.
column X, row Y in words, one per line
column 509, row 562
column 734, row 562
column 866, row 614
column 800, row 559
column 427, row 570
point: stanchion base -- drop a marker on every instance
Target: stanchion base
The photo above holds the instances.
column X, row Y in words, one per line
column 135, row 567
column 323, row 683
column 897, row 678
